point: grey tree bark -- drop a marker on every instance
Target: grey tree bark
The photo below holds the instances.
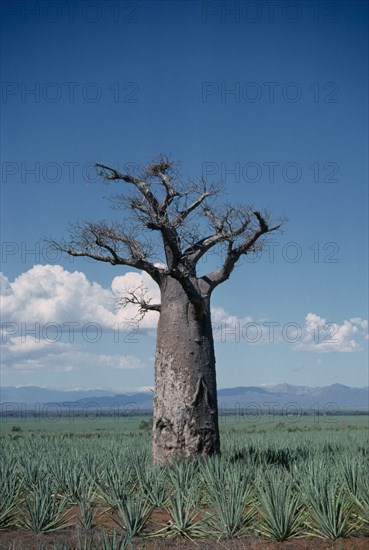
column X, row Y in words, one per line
column 187, row 225
column 185, row 422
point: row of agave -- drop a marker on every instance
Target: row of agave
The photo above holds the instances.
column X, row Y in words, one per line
column 321, row 490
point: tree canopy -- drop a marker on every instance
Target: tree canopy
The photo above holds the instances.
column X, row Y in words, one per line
column 190, row 219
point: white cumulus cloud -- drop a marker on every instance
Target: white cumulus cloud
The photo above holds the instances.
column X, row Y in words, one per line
column 42, row 307
column 322, row 336
column 50, row 294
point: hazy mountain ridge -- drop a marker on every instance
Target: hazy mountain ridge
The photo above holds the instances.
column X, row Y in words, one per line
column 37, row 394
column 280, row 395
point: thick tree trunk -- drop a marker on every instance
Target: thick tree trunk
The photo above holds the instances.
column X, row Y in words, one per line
column 185, row 401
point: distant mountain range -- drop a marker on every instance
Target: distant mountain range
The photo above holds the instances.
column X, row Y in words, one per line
column 278, row 396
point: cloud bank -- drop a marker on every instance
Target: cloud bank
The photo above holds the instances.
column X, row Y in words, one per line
column 47, row 302
column 50, row 294
column 50, row 297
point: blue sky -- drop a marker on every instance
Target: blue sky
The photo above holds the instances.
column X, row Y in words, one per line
column 269, row 99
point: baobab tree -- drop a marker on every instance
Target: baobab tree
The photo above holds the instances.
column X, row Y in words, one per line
column 168, row 225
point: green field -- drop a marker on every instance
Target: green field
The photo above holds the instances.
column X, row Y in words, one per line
column 228, row 423
column 91, row 481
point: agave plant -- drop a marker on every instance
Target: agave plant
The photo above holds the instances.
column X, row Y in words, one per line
column 351, row 473
column 183, row 514
column 280, row 508
column 10, row 488
column 59, row 470
column 87, row 514
column 151, row 484
column 181, row 476
column 44, row 511
column 361, row 499
column 133, row 515
column 117, row 483
column 78, row 483
column 330, row 508
column 231, row 494
column 34, row 470
column 181, row 502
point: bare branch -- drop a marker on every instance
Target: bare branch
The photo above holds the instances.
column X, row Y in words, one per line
column 156, row 213
column 108, row 244
column 139, row 297
column 156, row 203
column 220, row 275
column 229, row 225
column 112, row 174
